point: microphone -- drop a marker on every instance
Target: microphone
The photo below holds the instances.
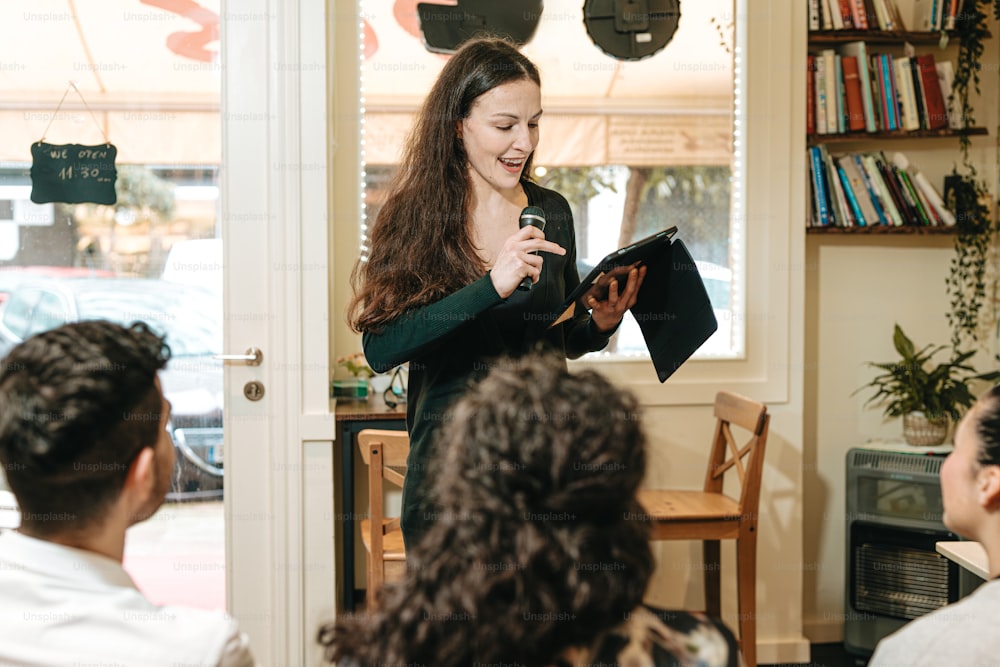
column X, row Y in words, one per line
column 534, row 216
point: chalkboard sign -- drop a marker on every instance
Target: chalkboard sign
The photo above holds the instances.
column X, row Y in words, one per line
column 73, row 173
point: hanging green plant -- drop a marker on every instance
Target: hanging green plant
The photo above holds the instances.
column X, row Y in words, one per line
column 965, row 192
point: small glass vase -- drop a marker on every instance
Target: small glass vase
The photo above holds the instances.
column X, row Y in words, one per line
column 920, row 431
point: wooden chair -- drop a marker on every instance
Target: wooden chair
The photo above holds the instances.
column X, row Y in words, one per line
column 383, row 451
column 711, row 515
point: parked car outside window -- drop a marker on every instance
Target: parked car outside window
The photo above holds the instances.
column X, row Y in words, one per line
column 191, row 319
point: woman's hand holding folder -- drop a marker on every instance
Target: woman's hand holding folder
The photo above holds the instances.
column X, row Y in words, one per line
column 608, row 301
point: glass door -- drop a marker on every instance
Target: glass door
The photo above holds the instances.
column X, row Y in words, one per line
column 146, row 78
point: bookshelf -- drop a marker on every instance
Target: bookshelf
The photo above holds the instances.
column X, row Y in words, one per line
column 856, row 137
column 817, row 37
column 885, row 118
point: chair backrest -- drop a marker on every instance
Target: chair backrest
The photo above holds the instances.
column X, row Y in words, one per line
column 728, row 454
column 382, row 450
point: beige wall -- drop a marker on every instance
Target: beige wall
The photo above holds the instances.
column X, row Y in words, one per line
column 856, row 289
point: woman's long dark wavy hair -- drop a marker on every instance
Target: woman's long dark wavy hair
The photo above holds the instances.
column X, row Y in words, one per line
column 421, row 244
column 539, row 543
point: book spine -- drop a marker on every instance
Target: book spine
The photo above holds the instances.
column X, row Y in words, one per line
column 883, row 15
column 934, row 199
column 811, row 94
column 826, row 15
column 836, row 18
column 870, row 13
column 891, row 93
column 882, row 190
column 852, row 201
column 920, row 18
column 845, row 13
column 869, row 217
column 918, row 92
column 832, row 90
column 821, row 124
column 945, row 75
column 859, row 14
column 840, row 215
column 852, row 94
column 870, row 187
column 820, row 187
column 905, row 178
column 949, row 23
column 839, row 80
column 937, row 112
column 895, row 189
column 913, row 210
column 909, row 118
column 935, row 220
column 814, row 23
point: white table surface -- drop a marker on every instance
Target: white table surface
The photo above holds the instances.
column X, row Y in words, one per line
column 968, row 554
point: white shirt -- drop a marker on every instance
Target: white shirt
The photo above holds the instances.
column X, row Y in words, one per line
column 63, row 606
column 963, row 633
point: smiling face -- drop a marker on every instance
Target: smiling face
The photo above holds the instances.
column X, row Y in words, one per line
column 501, row 132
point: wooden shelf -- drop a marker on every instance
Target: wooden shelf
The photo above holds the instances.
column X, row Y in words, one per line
column 883, row 230
column 814, row 139
column 877, row 37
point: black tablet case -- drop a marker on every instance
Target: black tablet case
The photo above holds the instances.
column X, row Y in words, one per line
column 673, row 310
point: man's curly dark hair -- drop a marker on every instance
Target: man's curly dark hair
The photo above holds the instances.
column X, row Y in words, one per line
column 539, row 543
column 77, row 404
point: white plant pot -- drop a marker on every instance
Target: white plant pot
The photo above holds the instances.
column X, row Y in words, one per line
column 920, row 431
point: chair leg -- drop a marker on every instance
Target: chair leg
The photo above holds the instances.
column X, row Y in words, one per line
column 746, row 568
column 713, row 586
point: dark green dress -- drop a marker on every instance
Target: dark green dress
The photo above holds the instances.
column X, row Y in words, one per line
column 451, row 343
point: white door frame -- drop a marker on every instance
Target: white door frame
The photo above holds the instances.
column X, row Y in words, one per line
column 277, row 242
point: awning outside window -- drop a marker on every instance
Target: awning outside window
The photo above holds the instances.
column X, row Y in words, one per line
column 149, row 72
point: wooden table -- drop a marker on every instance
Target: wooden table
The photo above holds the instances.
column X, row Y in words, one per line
column 968, row 554
column 353, row 416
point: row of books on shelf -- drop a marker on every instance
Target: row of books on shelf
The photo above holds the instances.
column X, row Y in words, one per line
column 867, row 189
column 850, row 90
column 924, row 15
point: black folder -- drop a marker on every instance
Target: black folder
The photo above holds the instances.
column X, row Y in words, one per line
column 673, row 310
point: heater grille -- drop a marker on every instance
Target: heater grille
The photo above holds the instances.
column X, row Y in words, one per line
column 899, row 581
column 889, row 462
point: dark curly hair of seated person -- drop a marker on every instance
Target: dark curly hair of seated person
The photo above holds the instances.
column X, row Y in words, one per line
column 539, row 544
column 77, row 404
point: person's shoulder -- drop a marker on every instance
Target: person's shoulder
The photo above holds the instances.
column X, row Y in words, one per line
column 209, row 636
column 952, row 630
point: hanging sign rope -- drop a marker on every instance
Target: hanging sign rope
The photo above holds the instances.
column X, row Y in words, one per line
column 73, row 173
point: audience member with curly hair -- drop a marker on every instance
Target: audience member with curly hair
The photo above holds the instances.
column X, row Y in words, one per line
column 539, row 553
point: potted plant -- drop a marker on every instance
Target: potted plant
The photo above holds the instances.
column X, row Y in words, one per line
column 925, row 396
column 358, row 367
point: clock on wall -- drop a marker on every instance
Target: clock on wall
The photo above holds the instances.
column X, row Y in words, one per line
column 631, row 29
